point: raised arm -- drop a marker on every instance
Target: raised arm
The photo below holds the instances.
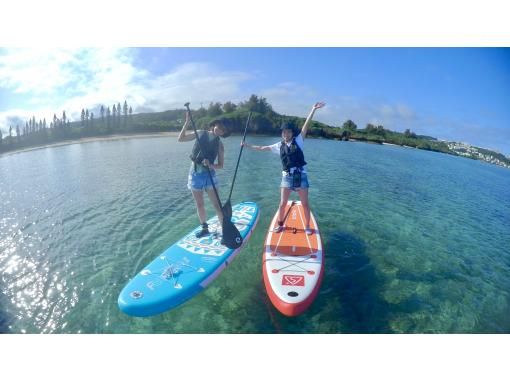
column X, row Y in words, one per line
column 315, row 107
column 182, row 135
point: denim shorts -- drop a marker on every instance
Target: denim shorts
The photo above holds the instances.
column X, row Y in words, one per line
column 288, row 179
column 201, row 180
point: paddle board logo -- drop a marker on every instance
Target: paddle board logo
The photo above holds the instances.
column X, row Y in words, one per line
column 293, row 280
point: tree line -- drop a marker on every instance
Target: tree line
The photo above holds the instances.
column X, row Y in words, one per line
column 120, row 119
column 266, row 121
column 112, row 120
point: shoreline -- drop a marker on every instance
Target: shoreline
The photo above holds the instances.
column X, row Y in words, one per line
column 128, row 136
column 84, row 140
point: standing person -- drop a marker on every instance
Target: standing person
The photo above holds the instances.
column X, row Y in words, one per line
column 294, row 176
column 198, row 178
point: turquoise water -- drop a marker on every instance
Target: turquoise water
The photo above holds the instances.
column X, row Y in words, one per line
column 416, row 241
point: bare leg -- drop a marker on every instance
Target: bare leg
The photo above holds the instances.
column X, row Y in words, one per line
column 285, row 193
column 303, row 196
column 198, row 195
column 217, row 206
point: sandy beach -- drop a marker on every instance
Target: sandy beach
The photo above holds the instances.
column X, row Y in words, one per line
column 93, row 139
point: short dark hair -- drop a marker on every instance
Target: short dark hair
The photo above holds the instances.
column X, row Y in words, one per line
column 216, row 122
column 219, row 123
column 292, row 127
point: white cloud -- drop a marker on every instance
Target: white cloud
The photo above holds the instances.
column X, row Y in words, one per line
column 34, row 71
column 194, row 82
column 67, row 79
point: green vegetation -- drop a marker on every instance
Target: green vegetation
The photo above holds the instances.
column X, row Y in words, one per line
column 121, row 120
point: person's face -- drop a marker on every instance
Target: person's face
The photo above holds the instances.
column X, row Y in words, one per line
column 287, row 135
column 218, row 131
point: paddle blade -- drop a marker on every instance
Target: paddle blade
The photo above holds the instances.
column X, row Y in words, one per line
column 231, row 237
column 227, row 210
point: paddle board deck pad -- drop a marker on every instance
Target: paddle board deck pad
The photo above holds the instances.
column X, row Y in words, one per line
column 186, row 268
column 293, row 262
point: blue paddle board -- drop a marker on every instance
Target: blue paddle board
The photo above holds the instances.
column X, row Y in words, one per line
column 185, row 268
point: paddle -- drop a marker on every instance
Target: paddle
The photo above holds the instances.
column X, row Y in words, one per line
column 227, row 207
column 231, row 236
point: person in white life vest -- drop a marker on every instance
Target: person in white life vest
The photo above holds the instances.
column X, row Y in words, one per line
column 294, row 174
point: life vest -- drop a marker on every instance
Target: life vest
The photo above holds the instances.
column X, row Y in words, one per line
column 209, row 143
column 292, row 156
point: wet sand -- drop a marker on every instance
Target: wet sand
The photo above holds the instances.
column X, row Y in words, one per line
column 93, row 139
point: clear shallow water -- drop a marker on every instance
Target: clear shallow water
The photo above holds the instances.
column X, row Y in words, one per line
column 415, row 241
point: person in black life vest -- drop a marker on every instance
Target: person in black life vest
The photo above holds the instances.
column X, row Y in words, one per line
column 294, row 175
column 198, row 178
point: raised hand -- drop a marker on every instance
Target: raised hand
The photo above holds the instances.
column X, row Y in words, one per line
column 318, row 105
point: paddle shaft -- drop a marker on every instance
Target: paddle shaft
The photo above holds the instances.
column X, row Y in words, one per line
column 239, row 158
column 288, row 211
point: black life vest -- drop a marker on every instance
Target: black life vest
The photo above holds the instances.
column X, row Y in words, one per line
column 292, row 156
column 209, row 143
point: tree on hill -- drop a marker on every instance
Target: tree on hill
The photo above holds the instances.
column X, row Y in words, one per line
column 114, row 113
column 214, row 109
column 349, row 125
column 118, row 113
column 201, row 112
column 125, row 112
column 256, row 104
column 409, row 134
column 229, row 107
column 370, row 128
column 108, row 115
column 102, row 111
column 380, row 130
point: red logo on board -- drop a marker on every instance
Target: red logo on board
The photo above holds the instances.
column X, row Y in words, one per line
column 293, row 280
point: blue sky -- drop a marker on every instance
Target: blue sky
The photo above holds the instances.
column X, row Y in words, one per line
column 458, row 94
